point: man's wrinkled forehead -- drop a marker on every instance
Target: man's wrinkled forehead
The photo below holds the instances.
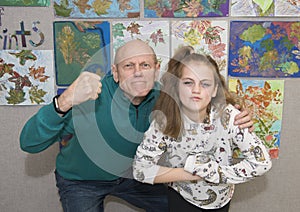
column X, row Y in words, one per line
column 133, row 49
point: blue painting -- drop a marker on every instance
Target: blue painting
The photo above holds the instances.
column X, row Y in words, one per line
column 264, row 49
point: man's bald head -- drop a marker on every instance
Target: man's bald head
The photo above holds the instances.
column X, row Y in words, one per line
column 133, row 48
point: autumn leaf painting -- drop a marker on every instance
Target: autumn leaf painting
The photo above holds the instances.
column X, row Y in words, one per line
column 264, row 49
column 155, row 33
column 97, row 8
column 265, row 99
column 253, row 7
column 26, row 77
column 185, row 8
column 80, row 46
column 206, row 36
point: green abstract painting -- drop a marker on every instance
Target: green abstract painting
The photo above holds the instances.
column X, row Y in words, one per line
column 26, row 3
column 80, row 46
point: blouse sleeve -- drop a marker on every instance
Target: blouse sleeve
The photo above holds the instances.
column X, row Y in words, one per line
column 148, row 153
column 255, row 157
column 255, row 161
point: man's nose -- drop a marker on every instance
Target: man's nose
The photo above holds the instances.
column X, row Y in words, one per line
column 137, row 70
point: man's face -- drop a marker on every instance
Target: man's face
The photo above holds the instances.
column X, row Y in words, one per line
column 136, row 75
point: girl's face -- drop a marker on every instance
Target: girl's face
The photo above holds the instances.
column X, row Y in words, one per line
column 196, row 88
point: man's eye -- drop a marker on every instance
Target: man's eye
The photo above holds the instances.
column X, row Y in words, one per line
column 145, row 65
column 128, row 66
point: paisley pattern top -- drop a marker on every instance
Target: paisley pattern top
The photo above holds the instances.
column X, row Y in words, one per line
column 215, row 143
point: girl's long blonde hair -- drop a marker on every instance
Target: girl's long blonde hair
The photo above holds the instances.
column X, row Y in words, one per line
column 167, row 112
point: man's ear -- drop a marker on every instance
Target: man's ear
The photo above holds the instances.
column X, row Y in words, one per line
column 115, row 73
column 157, row 71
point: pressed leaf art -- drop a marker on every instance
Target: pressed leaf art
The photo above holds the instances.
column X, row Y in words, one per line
column 207, row 37
column 287, row 8
column 264, row 49
column 155, row 33
column 80, row 46
column 264, row 5
column 97, row 8
column 28, row 3
column 265, row 99
column 252, row 7
column 26, row 77
column 185, row 8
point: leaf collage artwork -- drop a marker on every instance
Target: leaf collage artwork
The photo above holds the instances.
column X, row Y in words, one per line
column 265, row 99
column 265, row 8
column 287, row 8
column 252, row 8
column 26, row 77
column 155, row 33
column 97, row 8
column 264, row 49
column 207, row 37
column 80, row 46
column 188, row 9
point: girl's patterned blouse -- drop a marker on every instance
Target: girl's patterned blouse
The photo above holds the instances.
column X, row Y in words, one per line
column 217, row 144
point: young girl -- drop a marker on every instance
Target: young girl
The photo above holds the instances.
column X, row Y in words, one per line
column 193, row 133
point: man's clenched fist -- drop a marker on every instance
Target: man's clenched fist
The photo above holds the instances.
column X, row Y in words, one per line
column 86, row 87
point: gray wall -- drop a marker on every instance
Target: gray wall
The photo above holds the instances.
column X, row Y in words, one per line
column 27, row 181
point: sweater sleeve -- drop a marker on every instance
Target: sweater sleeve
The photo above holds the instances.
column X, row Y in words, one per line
column 145, row 165
column 42, row 130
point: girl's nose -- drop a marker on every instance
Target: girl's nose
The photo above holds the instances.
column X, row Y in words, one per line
column 196, row 88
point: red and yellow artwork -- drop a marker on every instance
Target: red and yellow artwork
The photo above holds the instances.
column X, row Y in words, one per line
column 265, row 99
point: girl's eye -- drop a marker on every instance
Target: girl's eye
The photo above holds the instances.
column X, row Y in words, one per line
column 205, row 85
column 187, row 82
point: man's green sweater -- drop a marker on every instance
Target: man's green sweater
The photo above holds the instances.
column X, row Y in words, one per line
column 98, row 139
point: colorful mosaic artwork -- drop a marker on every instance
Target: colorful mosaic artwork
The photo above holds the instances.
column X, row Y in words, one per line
column 264, row 49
